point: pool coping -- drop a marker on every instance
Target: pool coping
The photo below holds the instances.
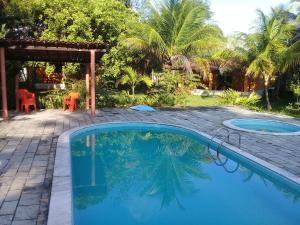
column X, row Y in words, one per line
column 60, row 210
column 228, row 123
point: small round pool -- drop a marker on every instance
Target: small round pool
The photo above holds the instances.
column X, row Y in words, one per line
column 262, row 126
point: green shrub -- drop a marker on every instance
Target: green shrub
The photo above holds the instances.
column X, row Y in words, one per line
column 166, row 99
column 80, row 87
column 233, row 97
column 295, row 87
column 151, row 99
column 123, row 99
column 105, row 98
column 230, row 96
column 250, row 101
column 191, row 81
column 139, row 100
column 168, row 82
column 293, row 107
column 52, row 100
column 181, row 98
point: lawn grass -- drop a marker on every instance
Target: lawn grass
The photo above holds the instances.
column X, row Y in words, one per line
column 278, row 106
column 198, row 101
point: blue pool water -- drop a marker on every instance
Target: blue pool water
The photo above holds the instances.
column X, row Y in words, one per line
column 268, row 126
column 145, row 174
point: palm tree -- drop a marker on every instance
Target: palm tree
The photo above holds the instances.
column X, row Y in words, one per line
column 236, row 55
column 270, row 44
column 175, row 32
column 132, row 78
column 269, row 51
column 263, row 66
column 291, row 57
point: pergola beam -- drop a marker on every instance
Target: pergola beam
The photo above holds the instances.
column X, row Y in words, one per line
column 3, row 84
column 22, row 43
column 48, row 55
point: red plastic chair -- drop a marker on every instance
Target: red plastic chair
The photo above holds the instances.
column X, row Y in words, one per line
column 26, row 99
column 70, row 101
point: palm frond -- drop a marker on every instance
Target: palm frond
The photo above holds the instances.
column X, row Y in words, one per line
column 191, row 22
column 177, row 28
column 262, row 21
column 146, row 80
column 292, row 56
column 204, row 44
column 229, row 59
column 130, row 76
column 147, row 39
column 261, row 66
column 204, row 66
column 181, row 60
column 135, row 43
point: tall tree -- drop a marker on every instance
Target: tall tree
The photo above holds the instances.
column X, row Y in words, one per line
column 176, row 31
column 76, row 20
column 270, row 44
column 267, row 52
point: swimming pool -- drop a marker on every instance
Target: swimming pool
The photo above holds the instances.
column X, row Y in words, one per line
column 263, row 126
column 148, row 174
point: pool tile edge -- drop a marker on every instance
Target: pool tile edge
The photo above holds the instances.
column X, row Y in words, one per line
column 228, row 123
column 60, row 209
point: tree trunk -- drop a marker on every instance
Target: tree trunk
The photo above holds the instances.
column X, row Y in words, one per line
column 269, row 107
column 278, row 84
column 133, row 89
column 210, row 81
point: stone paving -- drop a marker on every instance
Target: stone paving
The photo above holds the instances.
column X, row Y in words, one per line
column 28, row 145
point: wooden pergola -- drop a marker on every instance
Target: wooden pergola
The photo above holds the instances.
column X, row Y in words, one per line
column 52, row 51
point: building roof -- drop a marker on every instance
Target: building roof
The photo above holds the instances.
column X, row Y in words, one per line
column 51, row 51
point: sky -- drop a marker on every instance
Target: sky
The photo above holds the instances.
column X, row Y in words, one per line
column 239, row 15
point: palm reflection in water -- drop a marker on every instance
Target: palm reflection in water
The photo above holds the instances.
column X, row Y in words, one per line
column 154, row 164
column 151, row 164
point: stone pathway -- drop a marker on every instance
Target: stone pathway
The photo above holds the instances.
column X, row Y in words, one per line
column 28, row 144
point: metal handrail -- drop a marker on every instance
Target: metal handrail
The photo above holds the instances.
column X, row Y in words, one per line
column 220, row 163
column 229, row 134
column 217, row 159
column 223, row 128
column 218, row 133
column 232, row 171
column 239, row 136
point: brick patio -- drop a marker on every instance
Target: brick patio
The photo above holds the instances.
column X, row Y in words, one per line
column 28, row 144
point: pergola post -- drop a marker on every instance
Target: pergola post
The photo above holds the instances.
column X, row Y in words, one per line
column 93, row 82
column 3, row 84
column 87, row 86
column 16, row 91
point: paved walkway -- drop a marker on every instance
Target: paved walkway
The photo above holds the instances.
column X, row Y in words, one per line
column 28, row 144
